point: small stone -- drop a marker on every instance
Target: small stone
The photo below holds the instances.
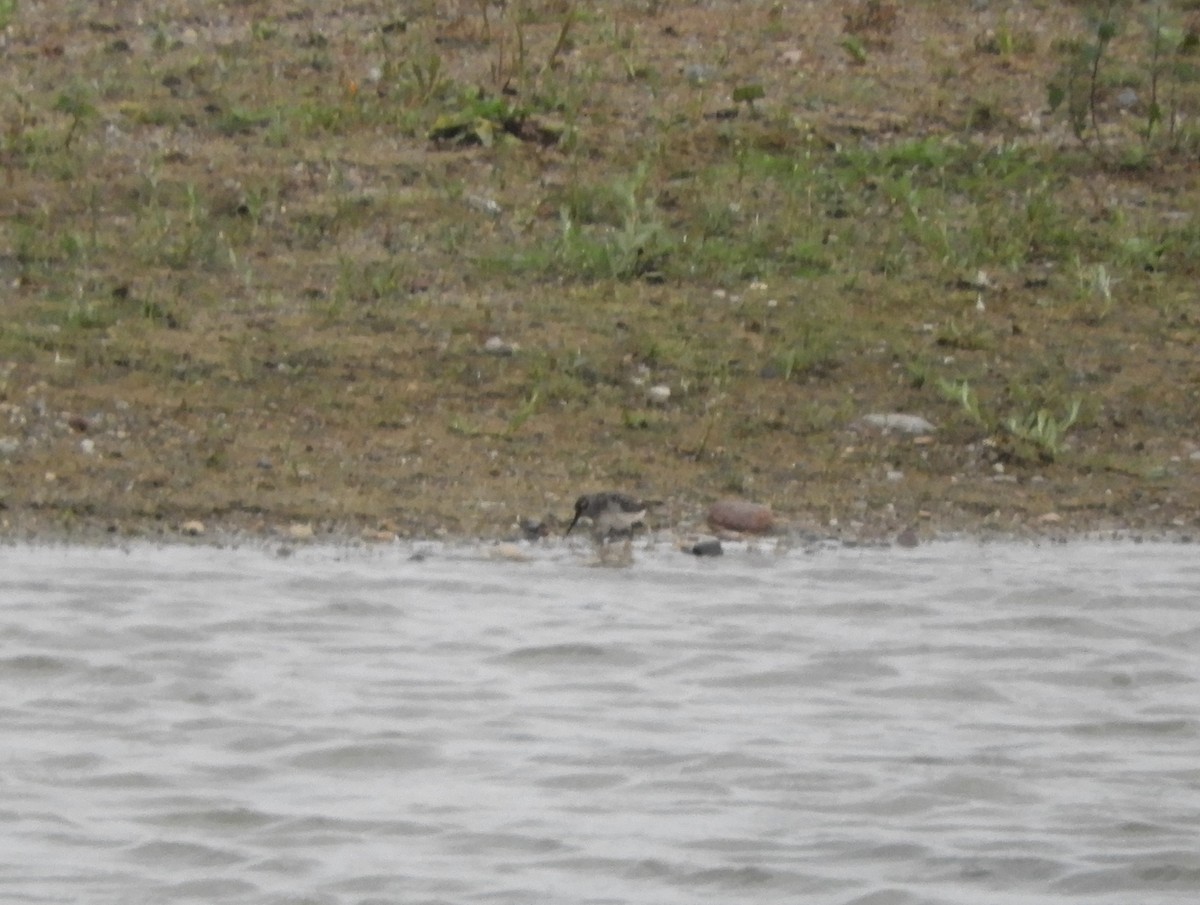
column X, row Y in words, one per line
column 907, row 538
column 300, row 531
column 378, row 535
column 509, row 552
column 193, row 528
column 741, row 515
column 484, row 205
column 1050, row 518
column 710, row 546
column 659, row 394
column 496, row 346
column 87, row 447
column 896, row 421
column 9, row 445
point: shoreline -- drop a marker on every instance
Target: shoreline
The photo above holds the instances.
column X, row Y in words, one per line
column 787, row 535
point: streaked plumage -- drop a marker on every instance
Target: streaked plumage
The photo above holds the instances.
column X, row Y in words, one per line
column 609, row 512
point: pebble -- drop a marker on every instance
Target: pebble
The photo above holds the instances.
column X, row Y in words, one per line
column 741, row 515
column 485, row 205
column 896, row 421
column 378, row 535
column 300, row 531
column 509, row 552
column 659, row 394
column 9, row 445
column 193, row 528
column 496, row 346
column 710, row 546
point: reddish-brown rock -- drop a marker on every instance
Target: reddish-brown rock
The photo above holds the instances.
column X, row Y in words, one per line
column 741, row 515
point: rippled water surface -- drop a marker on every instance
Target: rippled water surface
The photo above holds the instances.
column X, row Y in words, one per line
column 960, row 723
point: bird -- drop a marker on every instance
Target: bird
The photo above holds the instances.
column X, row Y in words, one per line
column 610, row 513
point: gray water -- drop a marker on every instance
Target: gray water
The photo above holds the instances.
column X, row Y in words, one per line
column 959, row 723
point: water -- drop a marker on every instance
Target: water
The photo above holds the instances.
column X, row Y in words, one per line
column 960, row 723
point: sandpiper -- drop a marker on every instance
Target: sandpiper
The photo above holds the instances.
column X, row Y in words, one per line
column 610, row 513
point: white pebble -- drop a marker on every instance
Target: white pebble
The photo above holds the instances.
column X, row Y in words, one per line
column 659, row 394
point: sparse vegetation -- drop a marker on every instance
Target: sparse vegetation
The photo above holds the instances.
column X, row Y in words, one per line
column 262, row 255
column 1147, row 72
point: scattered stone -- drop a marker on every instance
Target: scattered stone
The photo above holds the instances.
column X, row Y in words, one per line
column 1050, row 518
column 907, row 538
column 87, row 447
column 9, row 445
column 895, row 421
column 1127, row 98
column 979, row 282
column 496, row 346
column 741, row 515
column 193, row 528
column 659, row 394
column 710, row 546
column 378, row 535
column 300, row 531
column 484, row 205
column 509, row 552
column 894, row 476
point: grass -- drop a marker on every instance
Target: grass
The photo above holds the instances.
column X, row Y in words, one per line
column 311, row 227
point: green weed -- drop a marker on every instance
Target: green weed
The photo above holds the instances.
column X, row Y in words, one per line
column 1036, row 427
column 1043, row 430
